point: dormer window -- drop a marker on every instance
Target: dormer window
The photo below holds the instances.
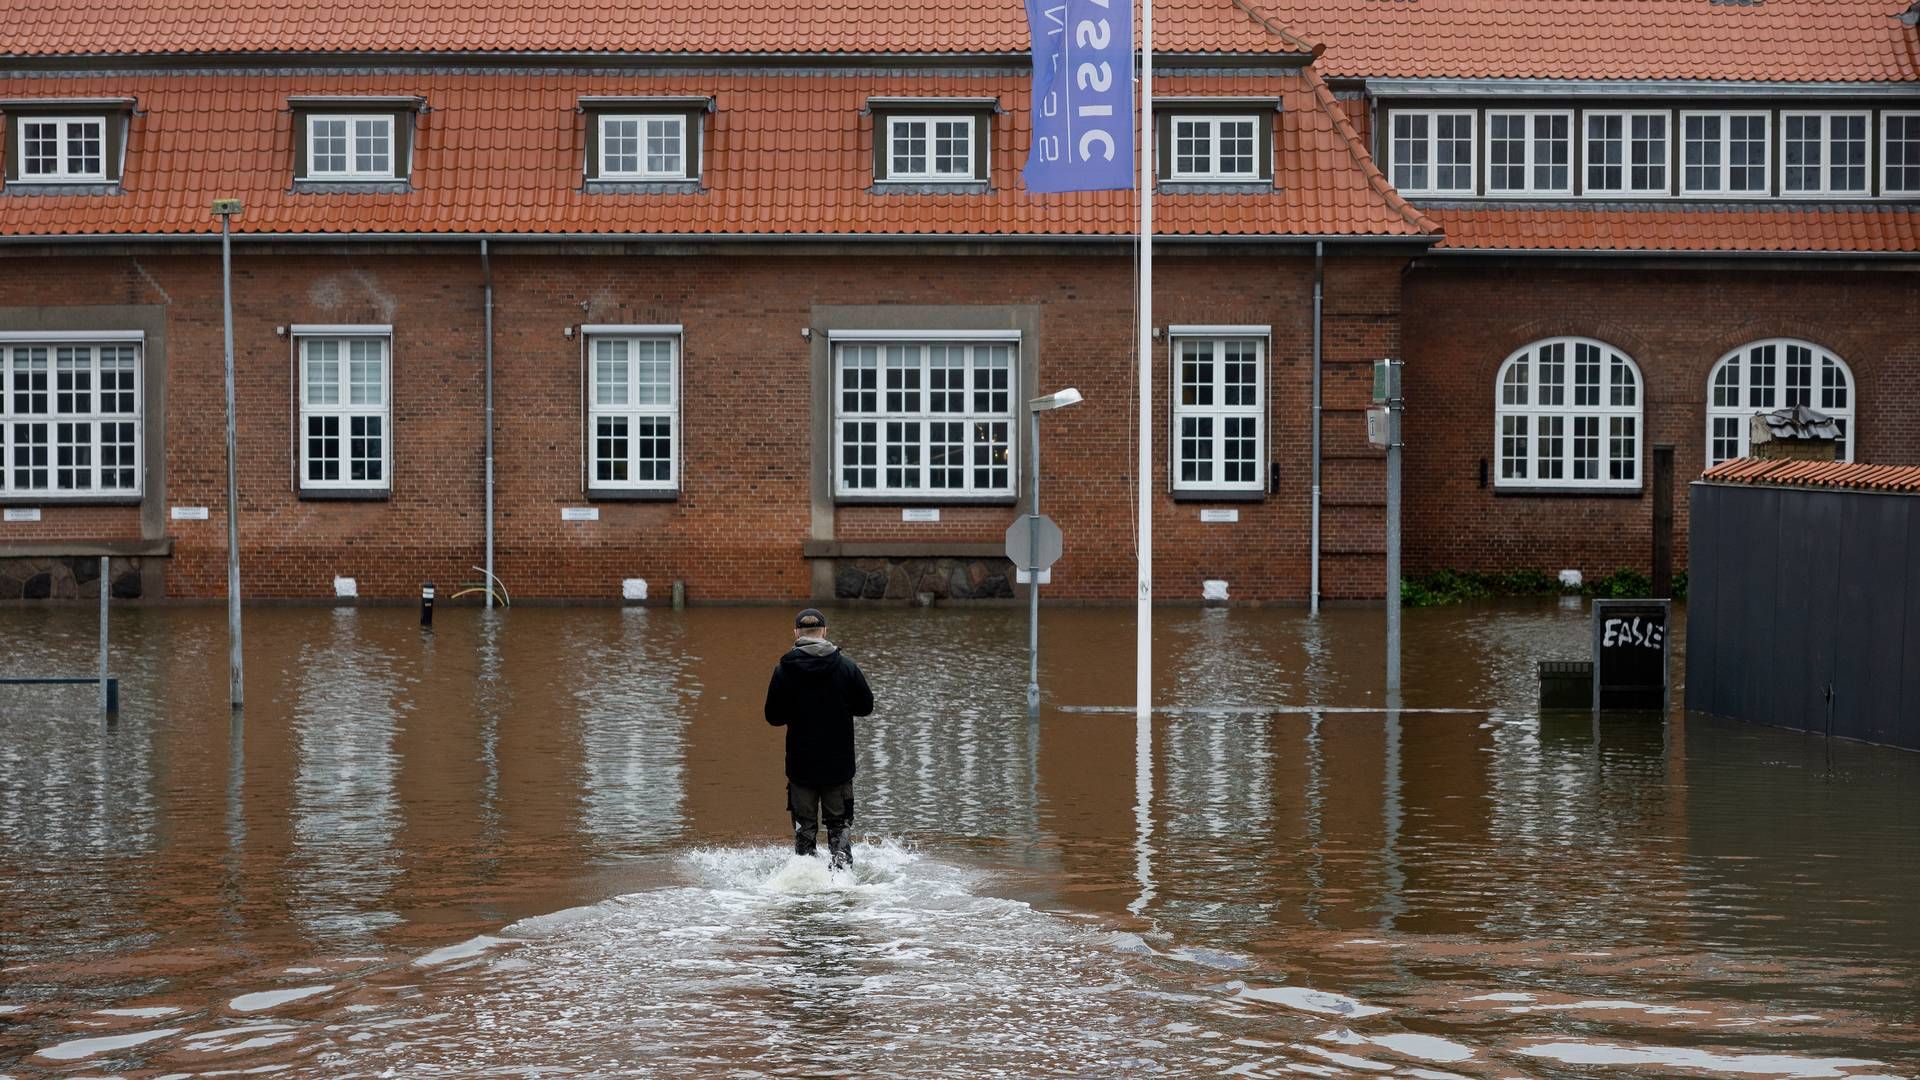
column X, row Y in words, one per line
column 1215, row 148
column 1824, row 153
column 644, row 143
column 937, row 141
column 65, row 141
column 364, row 142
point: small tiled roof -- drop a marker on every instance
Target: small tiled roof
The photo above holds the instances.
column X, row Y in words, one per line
column 788, row 153
column 1686, row 227
column 84, row 27
column 1823, row 474
column 1766, row 40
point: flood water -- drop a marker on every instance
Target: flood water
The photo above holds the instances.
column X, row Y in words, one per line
column 551, row 842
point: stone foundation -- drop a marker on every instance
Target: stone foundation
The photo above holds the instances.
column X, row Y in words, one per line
column 906, row 579
column 67, row 577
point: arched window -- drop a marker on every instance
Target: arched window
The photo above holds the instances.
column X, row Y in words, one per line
column 1567, row 415
column 1774, row 374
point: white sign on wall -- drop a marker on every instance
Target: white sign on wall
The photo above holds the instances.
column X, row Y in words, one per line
column 919, row 513
column 579, row 513
column 189, row 513
column 1220, row 515
column 23, row 513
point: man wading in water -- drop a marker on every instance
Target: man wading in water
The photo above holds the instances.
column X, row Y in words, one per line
column 815, row 693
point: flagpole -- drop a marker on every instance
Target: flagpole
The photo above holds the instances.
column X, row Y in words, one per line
column 1143, row 658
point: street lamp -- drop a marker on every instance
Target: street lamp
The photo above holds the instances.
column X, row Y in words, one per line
column 225, row 210
column 1035, row 407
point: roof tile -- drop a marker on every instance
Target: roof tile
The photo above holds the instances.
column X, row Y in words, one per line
column 1823, row 474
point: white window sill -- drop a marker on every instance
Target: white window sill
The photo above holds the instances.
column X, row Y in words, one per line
column 924, row 498
column 1238, row 494
column 1564, row 490
column 614, row 494
column 345, row 494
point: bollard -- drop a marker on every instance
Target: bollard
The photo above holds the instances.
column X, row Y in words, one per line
column 679, row 596
column 426, row 605
column 113, row 697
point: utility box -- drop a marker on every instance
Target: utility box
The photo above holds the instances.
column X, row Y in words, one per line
column 1566, row 684
column 1630, row 654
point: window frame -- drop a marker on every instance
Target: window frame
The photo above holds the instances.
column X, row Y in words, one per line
column 1826, row 166
column 1568, row 433
column 1214, row 174
column 689, row 167
column 64, row 120
column 972, row 341
column 1179, row 410
column 1742, row 415
column 1432, row 141
column 344, row 486
column 1529, row 146
column 395, row 169
column 1627, row 164
column 673, row 335
column 52, row 343
column 976, row 131
column 1725, row 142
column 1881, row 140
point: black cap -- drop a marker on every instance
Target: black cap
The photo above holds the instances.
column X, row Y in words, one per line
column 810, row 618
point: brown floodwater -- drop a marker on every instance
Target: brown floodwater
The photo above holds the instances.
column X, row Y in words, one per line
column 549, row 841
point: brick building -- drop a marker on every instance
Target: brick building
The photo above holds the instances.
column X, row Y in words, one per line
column 762, row 295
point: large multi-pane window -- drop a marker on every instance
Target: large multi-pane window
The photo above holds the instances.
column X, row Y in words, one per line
column 62, row 148
column 1778, row 373
column 343, row 147
column 643, row 147
column 1626, row 153
column 1432, row 151
column 1568, row 415
column 925, row 418
column 70, row 419
column 1215, row 148
column 1723, row 153
column 931, row 148
column 1824, row 153
column 1219, row 379
column 345, row 433
column 633, row 410
column 1900, row 153
column 1529, row 153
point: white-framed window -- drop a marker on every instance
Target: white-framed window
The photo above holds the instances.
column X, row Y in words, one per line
column 1529, row 153
column 62, row 149
column 1825, row 153
column 350, row 147
column 1900, row 153
column 1215, row 148
column 345, row 424
column 1219, row 407
column 633, row 408
column 1777, row 373
column 939, row 148
column 1431, row 151
column 925, row 416
column 1626, row 152
column 70, row 416
column 1567, row 414
column 1723, row 153
column 643, row 147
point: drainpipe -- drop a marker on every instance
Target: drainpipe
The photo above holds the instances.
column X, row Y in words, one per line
column 1313, row 587
column 486, row 269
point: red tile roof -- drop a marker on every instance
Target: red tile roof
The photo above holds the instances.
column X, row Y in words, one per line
column 788, row 153
column 1787, row 40
column 1688, row 227
column 1823, row 474
column 79, row 27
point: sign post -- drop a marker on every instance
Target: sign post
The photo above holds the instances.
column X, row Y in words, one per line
column 1034, row 542
column 1630, row 651
column 1383, row 429
column 225, row 209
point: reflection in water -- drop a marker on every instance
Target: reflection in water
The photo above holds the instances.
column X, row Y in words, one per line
column 541, row 839
column 346, row 811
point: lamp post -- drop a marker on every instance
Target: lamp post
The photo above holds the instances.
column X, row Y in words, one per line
column 225, row 209
column 1035, row 407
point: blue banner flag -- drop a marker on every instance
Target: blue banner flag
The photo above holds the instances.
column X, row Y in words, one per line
column 1082, row 95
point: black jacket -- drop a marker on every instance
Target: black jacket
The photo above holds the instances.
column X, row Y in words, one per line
column 815, row 693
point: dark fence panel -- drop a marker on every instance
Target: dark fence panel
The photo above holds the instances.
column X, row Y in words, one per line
column 1792, row 591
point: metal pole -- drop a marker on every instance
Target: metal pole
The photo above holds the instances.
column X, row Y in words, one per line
column 105, row 587
column 1033, row 573
column 486, row 265
column 1143, row 604
column 1393, row 539
column 1313, row 573
column 233, row 486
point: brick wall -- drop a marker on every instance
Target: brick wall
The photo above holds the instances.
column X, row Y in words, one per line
column 744, row 511
column 1462, row 324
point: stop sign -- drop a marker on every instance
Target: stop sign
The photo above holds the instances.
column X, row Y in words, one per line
column 1032, row 543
